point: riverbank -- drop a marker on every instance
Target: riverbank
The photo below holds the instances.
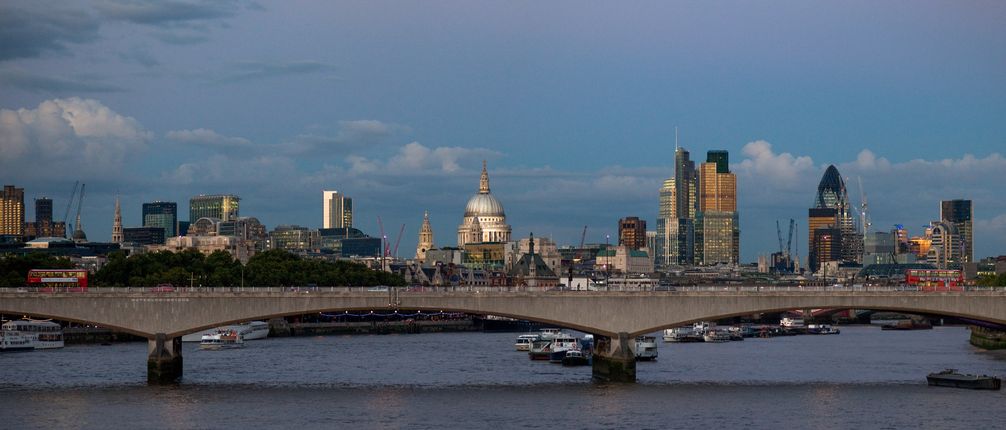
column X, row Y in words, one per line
column 987, row 338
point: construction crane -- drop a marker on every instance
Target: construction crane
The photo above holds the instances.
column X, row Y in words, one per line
column 69, row 204
column 778, row 233
column 80, row 204
column 384, row 246
column 864, row 219
column 583, row 236
column 789, row 239
column 399, row 240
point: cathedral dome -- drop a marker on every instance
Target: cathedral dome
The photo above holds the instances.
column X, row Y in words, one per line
column 484, row 205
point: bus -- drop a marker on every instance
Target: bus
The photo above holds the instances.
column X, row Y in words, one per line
column 52, row 280
column 935, row 279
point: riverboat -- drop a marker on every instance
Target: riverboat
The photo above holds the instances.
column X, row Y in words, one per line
column 908, row 324
column 252, row 330
column 716, row 336
column 40, row 334
column 788, row 322
column 575, row 357
column 14, row 342
column 224, row 340
column 646, row 348
column 523, row 342
column 735, row 332
column 541, row 349
column 682, row 334
column 822, row 329
column 562, row 344
column 955, row 379
column 549, row 333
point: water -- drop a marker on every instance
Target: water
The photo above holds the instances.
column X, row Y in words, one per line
column 863, row 378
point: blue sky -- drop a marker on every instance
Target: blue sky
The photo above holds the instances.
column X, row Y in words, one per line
column 574, row 105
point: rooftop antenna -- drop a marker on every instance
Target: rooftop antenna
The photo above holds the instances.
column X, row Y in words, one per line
column 675, row 139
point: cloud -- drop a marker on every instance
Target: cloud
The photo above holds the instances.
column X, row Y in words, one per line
column 265, row 174
column 764, row 165
column 51, row 85
column 414, row 157
column 167, row 13
column 209, row 138
column 68, row 136
column 139, row 55
column 29, row 29
column 254, row 70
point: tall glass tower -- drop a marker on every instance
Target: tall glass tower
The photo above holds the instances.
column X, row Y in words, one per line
column 960, row 214
column 161, row 214
column 222, row 207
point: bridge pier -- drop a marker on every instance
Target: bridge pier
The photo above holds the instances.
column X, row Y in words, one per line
column 613, row 359
column 164, row 360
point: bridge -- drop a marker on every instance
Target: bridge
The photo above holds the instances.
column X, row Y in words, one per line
column 615, row 318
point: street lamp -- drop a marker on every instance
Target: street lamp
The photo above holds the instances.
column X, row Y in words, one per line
column 607, row 262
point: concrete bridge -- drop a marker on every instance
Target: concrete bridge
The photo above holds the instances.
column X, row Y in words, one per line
column 615, row 318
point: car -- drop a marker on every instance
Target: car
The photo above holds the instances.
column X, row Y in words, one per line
column 163, row 288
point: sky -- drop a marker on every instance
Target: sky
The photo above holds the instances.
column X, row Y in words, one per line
column 573, row 104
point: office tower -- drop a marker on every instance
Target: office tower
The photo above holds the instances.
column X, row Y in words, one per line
column 12, row 211
column 827, row 247
column 831, row 194
column 163, row 215
column 960, row 214
column 945, row 246
column 425, row 238
column 717, row 230
column 44, row 226
column 117, row 224
column 43, row 210
column 632, row 232
column 222, row 207
column 337, row 210
column 143, row 235
column 676, row 220
column 820, row 219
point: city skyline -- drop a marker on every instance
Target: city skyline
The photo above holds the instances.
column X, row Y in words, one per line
column 579, row 127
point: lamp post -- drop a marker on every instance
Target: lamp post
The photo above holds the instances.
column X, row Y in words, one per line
column 607, row 262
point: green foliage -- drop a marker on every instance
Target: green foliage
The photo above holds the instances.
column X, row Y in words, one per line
column 993, row 281
column 266, row 269
column 14, row 268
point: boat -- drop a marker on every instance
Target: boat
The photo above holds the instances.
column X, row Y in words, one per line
column 716, row 336
column 523, row 342
column 822, row 329
column 735, row 332
column 646, row 348
column 14, row 342
column 223, row 340
column 252, row 330
column 682, row 334
column 575, row 357
column 41, row 334
column 953, row 378
column 560, row 345
column 549, row 333
column 908, row 324
column 541, row 349
column 788, row 322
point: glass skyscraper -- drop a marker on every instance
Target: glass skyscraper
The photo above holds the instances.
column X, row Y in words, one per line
column 222, row 207
column 163, row 215
column 960, row 214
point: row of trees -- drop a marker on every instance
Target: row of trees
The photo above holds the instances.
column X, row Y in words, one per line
column 219, row 269
column 993, row 281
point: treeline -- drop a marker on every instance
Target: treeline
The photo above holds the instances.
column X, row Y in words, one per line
column 993, row 281
column 267, row 269
column 14, row 268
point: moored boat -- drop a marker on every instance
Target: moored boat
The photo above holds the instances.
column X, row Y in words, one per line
column 646, row 348
column 908, row 324
column 523, row 342
column 955, row 379
column 222, row 340
column 822, row 329
column 562, row 344
column 40, row 334
column 682, row 334
column 549, row 333
column 541, row 349
column 575, row 357
column 788, row 322
column 716, row 336
column 14, row 342
column 252, row 330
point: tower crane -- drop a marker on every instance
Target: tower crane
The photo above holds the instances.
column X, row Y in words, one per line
column 384, row 246
column 778, row 233
column 789, row 238
column 399, row 240
column 80, row 204
column 69, row 204
column 864, row 219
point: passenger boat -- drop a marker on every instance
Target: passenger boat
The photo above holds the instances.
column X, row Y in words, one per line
column 40, row 334
column 682, row 334
column 716, row 336
column 541, row 349
column 646, row 348
column 822, row 329
column 735, row 333
column 953, row 378
column 523, row 342
column 560, row 345
column 14, row 342
column 908, row 324
column 788, row 322
column 223, row 340
column 549, row 333
column 575, row 357
column 252, row 330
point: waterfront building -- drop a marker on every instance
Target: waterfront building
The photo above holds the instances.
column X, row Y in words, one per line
column 632, row 232
column 425, row 238
column 544, row 247
column 676, row 218
column 143, row 235
column 12, row 212
column 717, row 222
column 223, row 207
column 163, row 215
column 293, row 238
column 960, row 214
column 117, row 223
column 531, row 270
column 235, row 246
column 484, row 219
column 337, row 210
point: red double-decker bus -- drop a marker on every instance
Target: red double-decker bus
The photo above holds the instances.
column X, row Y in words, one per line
column 71, row 280
column 935, row 279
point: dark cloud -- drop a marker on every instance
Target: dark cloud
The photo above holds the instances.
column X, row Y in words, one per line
column 167, row 13
column 180, row 37
column 254, row 70
column 139, row 55
column 28, row 30
column 54, row 85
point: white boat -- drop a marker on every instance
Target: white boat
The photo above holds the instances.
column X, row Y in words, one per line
column 646, row 348
column 716, row 336
column 523, row 342
column 40, row 334
column 560, row 344
column 682, row 334
column 788, row 322
column 14, row 341
column 223, row 340
column 252, row 330
column 549, row 333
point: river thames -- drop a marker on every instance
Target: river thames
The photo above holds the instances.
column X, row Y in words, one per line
column 862, row 378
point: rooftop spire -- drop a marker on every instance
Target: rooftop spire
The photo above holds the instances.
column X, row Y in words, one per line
column 484, row 181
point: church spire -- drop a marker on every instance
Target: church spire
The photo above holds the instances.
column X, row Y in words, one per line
column 117, row 223
column 484, row 181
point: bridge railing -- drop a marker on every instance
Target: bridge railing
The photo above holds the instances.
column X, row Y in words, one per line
column 472, row 288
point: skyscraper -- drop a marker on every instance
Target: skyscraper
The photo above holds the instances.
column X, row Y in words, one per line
column 43, row 210
column 337, row 210
column 223, row 207
column 632, row 232
column 12, row 211
column 717, row 230
column 831, row 194
column 960, row 214
column 162, row 214
column 676, row 220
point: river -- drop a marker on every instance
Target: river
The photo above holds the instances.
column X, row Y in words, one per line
column 862, row 378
